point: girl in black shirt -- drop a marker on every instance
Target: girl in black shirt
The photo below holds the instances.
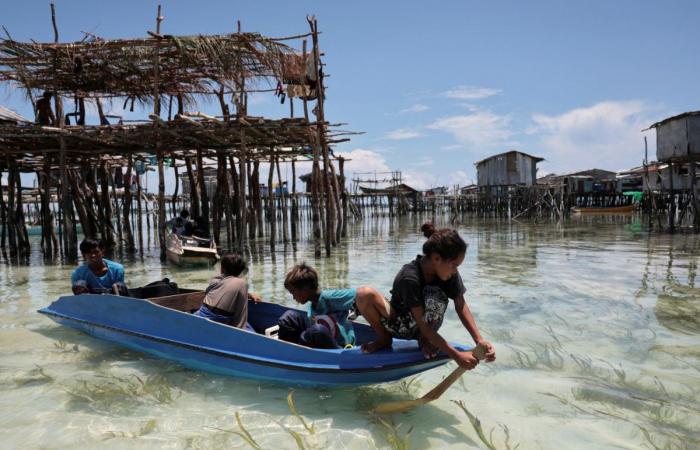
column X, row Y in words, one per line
column 419, row 298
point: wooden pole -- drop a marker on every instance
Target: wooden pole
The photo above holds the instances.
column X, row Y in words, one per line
column 320, row 127
column 22, row 235
column 242, row 111
column 271, row 203
column 294, row 217
column 344, row 195
column 139, row 217
column 126, row 211
column 159, row 151
column 106, row 207
column 3, row 217
column 283, row 198
column 204, row 194
column 253, row 212
column 194, row 188
column 70, row 242
column 235, row 206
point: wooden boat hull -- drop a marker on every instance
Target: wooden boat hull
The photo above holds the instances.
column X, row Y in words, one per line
column 201, row 344
column 179, row 252
column 605, row 210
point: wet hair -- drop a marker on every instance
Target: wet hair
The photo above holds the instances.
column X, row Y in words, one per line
column 446, row 242
column 184, row 214
column 89, row 244
column 233, row 264
column 301, row 276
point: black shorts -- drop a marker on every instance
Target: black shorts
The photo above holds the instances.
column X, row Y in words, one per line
column 403, row 325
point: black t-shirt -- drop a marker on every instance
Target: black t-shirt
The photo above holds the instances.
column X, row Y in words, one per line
column 407, row 290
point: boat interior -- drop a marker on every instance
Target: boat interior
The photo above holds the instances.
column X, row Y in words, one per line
column 262, row 316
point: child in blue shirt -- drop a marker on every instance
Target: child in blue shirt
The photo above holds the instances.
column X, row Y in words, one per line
column 96, row 275
column 325, row 323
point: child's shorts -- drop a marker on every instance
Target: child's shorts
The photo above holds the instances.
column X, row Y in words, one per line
column 404, row 326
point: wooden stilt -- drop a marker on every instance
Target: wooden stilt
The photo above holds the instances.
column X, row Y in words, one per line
column 126, row 217
column 283, row 198
column 271, row 204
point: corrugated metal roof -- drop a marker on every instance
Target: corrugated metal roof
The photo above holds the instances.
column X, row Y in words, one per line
column 536, row 158
column 669, row 119
column 9, row 115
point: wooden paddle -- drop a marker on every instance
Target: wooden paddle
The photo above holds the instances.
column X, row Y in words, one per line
column 407, row 405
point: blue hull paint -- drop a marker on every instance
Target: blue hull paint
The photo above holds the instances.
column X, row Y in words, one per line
column 209, row 346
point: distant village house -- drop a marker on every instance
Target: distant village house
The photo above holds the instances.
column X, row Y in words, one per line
column 496, row 173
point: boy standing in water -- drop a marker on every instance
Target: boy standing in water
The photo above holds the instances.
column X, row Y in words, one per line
column 419, row 299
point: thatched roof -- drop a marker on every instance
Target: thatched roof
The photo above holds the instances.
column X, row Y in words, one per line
column 186, row 64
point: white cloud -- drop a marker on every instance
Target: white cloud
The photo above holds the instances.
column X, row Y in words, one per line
column 402, row 134
column 418, row 107
column 452, row 147
column 606, row 136
column 420, row 180
column 363, row 160
column 461, row 178
column 471, row 92
column 481, row 130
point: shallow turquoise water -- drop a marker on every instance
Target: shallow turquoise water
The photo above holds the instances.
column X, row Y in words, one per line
column 596, row 323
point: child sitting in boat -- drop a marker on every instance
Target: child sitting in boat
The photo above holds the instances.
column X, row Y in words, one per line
column 97, row 275
column 419, row 299
column 226, row 298
column 182, row 225
column 325, row 323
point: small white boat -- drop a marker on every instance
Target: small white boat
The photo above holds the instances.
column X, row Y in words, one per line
column 186, row 250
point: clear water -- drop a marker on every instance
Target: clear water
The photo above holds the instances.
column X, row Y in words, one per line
column 596, row 324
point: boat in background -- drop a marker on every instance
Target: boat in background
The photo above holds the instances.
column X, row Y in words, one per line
column 190, row 250
column 605, row 209
column 165, row 327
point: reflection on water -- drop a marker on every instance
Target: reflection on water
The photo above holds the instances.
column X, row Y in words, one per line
column 596, row 323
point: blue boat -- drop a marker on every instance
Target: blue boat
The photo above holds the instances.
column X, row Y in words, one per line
column 165, row 327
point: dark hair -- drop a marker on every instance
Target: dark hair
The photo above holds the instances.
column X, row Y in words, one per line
column 233, row 264
column 184, row 214
column 446, row 242
column 301, row 276
column 47, row 94
column 90, row 244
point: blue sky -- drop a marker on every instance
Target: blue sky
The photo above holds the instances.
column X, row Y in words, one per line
column 437, row 86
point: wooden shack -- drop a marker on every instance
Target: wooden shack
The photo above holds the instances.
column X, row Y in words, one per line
column 513, row 168
column 678, row 137
column 583, row 182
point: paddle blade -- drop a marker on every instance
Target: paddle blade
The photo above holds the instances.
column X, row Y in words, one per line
column 397, row 407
